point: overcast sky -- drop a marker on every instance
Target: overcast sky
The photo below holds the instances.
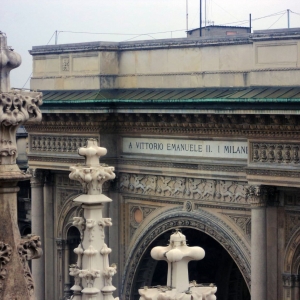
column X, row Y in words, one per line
column 30, row 23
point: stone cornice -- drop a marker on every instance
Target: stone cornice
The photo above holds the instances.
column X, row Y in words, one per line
column 246, row 125
column 166, row 43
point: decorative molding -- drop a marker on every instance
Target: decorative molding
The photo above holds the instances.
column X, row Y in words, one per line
column 181, row 187
column 273, row 173
column 57, row 143
column 286, row 153
column 190, row 166
column 276, row 126
column 5, row 256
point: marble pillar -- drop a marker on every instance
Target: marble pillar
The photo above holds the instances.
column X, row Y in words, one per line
column 37, row 227
column 258, row 243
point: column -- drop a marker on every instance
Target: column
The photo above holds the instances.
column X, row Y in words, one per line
column 258, row 243
column 49, row 236
column 272, row 244
column 37, row 224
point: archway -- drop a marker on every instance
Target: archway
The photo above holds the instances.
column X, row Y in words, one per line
column 234, row 253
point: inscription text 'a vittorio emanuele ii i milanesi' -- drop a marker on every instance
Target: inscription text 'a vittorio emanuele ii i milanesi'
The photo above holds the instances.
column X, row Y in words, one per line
column 181, row 147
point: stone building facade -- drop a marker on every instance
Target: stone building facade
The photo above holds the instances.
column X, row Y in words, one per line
column 204, row 135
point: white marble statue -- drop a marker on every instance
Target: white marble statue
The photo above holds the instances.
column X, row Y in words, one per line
column 178, row 254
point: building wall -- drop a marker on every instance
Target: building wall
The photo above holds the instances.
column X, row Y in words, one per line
column 178, row 63
column 157, row 191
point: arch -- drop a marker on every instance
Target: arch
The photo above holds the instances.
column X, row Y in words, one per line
column 292, row 254
column 200, row 220
column 69, row 210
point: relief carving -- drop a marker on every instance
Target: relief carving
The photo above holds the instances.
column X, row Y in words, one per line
column 275, row 153
column 29, row 248
column 244, row 222
column 57, row 143
column 5, row 256
column 190, row 188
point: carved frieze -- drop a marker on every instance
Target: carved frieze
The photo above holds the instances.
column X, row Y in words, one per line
column 57, row 143
column 181, row 187
column 281, row 153
column 5, row 256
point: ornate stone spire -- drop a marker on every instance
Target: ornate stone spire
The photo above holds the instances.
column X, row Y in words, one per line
column 93, row 275
column 16, row 108
column 178, row 254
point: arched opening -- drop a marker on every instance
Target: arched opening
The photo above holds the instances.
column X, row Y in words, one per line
column 73, row 240
column 217, row 267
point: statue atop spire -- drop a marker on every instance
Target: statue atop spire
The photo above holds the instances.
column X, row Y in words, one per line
column 178, row 254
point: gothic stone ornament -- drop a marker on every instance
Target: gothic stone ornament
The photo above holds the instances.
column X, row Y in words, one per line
column 29, row 248
column 92, row 175
column 93, row 275
column 178, row 254
column 5, row 256
column 16, row 108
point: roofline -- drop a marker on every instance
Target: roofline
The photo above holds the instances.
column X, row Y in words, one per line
column 247, row 38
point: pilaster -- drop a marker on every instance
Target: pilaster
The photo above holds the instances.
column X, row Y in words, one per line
column 37, row 224
column 258, row 243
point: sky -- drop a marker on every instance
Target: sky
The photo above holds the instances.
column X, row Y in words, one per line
column 30, row 23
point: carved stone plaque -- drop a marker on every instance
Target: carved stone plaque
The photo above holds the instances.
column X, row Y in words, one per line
column 182, row 147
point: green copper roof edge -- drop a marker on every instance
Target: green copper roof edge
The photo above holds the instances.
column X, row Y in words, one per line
column 246, row 100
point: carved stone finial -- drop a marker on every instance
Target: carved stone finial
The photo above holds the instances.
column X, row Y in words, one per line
column 92, row 153
column 9, row 60
column 16, row 107
column 92, row 175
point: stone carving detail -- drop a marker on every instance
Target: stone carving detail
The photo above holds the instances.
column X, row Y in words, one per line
column 15, row 109
column 190, row 188
column 5, row 256
column 92, row 175
column 275, row 153
column 292, row 225
column 29, row 248
column 65, row 64
column 244, row 222
column 57, row 143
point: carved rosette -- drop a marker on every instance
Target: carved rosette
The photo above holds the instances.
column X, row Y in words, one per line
column 5, row 256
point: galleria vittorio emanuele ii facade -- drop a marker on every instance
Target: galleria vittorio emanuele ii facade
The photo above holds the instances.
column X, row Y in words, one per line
column 204, row 136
